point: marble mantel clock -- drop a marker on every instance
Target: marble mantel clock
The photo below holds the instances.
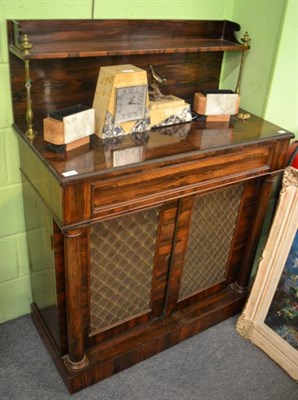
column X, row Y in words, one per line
column 121, row 101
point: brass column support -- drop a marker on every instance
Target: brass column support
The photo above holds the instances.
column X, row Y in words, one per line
column 245, row 39
column 26, row 46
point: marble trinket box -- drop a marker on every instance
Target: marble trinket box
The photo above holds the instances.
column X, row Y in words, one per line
column 216, row 105
column 70, row 126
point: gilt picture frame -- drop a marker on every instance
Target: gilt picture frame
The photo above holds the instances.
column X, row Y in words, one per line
column 269, row 319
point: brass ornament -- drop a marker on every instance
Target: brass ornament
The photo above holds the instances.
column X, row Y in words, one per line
column 245, row 39
column 154, row 88
column 243, row 116
column 26, row 46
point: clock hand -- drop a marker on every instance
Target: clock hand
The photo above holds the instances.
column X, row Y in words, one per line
column 131, row 100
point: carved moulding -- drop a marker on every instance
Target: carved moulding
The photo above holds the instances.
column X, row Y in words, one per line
column 255, row 322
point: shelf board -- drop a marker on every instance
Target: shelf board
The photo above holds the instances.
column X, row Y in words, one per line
column 129, row 47
column 54, row 39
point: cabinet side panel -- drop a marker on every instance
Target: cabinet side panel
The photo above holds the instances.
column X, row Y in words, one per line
column 45, row 184
column 39, row 229
column 121, row 267
column 214, row 218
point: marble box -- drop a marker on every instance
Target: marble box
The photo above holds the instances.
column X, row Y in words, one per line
column 70, row 126
column 217, row 105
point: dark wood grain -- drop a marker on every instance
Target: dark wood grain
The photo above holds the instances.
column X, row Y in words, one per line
column 61, row 327
column 159, row 280
column 245, row 217
column 136, row 345
column 264, row 194
column 93, row 38
column 74, row 299
column 187, row 53
column 178, row 253
column 179, row 164
column 60, row 84
column 166, row 146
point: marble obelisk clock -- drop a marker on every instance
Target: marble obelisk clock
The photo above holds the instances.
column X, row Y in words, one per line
column 121, row 101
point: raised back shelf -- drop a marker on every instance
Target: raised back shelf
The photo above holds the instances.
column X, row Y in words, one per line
column 66, row 57
column 100, row 38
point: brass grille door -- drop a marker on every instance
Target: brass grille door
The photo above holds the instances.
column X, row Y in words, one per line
column 121, row 267
column 213, row 222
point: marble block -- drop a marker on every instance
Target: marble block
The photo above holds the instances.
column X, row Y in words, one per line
column 169, row 110
column 69, row 125
column 219, row 104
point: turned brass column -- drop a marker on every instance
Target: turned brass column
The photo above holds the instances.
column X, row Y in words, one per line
column 245, row 39
column 26, row 46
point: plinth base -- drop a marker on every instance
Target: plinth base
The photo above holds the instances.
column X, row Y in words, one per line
column 135, row 345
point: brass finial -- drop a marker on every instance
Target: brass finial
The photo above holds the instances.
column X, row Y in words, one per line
column 26, row 45
column 245, row 39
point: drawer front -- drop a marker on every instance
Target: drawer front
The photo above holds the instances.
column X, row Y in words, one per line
column 158, row 185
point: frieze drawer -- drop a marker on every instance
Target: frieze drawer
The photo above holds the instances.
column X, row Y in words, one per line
column 155, row 186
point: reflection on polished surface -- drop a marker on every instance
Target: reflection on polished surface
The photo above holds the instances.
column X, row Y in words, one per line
column 127, row 213
column 156, row 145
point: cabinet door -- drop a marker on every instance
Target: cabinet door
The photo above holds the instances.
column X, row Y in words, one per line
column 204, row 256
column 129, row 260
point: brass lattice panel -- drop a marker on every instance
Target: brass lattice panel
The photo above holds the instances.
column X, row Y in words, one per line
column 213, row 221
column 121, row 265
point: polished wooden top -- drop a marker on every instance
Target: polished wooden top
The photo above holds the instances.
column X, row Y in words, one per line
column 65, row 60
column 158, row 147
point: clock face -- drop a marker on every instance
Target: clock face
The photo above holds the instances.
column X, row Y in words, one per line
column 130, row 103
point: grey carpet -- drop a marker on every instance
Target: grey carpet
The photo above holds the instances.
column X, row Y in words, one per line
column 216, row 364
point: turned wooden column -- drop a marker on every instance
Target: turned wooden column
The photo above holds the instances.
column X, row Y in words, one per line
column 242, row 282
column 76, row 358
